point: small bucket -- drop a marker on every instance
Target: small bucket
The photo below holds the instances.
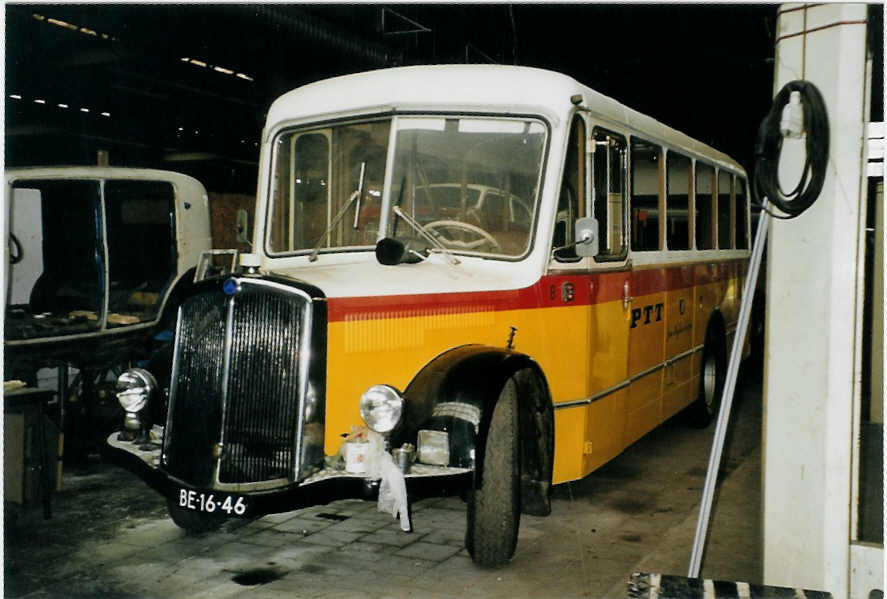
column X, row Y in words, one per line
column 403, row 457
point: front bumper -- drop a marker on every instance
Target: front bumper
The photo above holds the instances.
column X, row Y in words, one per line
column 320, row 488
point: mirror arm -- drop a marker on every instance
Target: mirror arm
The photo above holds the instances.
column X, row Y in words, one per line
column 583, row 241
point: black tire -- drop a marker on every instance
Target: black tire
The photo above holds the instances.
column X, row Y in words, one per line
column 494, row 506
column 711, row 382
column 755, row 362
column 191, row 521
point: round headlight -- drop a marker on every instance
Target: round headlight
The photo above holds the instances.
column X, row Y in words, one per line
column 381, row 407
column 134, row 389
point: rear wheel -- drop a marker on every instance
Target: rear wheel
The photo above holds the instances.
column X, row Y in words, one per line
column 711, row 382
column 193, row 521
column 494, row 504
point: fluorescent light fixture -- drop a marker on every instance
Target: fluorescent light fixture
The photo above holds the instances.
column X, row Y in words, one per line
column 62, row 105
column 15, row 96
column 72, row 27
column 216, row 68
column 106, row 114
column 62, row 24
column 84, row 110
column 39, row 101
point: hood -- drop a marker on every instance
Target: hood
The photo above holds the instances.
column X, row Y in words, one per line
column 359, row 274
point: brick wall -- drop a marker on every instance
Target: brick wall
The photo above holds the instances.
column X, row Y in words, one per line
column 223, row 209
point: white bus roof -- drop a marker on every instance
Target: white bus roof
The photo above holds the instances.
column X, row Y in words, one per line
column 476, row 88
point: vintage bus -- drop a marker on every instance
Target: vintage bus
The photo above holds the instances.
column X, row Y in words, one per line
column 497, row 266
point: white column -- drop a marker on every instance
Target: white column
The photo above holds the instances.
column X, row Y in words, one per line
column 811, row 314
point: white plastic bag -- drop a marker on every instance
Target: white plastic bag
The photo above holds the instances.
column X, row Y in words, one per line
column 393, row 487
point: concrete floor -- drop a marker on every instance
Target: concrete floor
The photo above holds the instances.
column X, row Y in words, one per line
column 110, row 536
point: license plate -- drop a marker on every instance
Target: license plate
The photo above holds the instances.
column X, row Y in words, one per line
column 211, row 503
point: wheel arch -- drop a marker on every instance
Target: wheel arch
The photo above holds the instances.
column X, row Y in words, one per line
column 716, row 328
column 473, row 376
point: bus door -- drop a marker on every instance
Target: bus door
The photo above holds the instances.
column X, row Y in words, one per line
column 609, row 310
column 589, row 355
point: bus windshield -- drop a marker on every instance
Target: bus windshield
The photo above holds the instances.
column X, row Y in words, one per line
column 470, row 182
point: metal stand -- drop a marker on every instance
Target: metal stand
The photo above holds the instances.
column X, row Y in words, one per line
column 717, row 447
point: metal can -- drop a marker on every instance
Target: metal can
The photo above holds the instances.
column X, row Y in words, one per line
column 403, row 456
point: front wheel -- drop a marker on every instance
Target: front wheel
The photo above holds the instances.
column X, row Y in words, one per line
column 192, row 521
column 494, row 504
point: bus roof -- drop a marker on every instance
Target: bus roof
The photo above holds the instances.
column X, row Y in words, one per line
column 476, row 88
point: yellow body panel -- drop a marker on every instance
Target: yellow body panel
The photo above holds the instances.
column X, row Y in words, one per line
column 363, row 352
column 583, row 350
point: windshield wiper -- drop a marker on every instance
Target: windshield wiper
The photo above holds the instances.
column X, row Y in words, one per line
column 355, row 197
column 425, row 234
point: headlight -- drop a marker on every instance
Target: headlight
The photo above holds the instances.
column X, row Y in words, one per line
column 134, row 389
column 381, row 407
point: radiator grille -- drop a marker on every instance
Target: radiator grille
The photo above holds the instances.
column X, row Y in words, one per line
column 263, row 392
column 252, row 409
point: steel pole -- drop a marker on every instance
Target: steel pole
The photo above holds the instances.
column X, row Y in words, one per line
column 717, row 446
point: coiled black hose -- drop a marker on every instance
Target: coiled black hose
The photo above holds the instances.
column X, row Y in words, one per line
column 765, row 182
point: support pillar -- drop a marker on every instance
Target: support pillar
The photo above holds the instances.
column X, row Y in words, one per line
column 813, row 287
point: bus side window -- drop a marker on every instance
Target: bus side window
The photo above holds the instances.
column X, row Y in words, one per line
column 677, row 208
column 609, row 174
column 646, row 159
column 705, row 234
column 571, row 203
column 725, row 210
column 741, row 215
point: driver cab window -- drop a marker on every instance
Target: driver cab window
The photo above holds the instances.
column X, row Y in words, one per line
column 571, row 204
column 609, row 167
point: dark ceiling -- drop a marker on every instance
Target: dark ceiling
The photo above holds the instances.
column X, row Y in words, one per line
column 186, row 87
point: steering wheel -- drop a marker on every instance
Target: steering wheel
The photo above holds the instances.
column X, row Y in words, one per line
column 464, row 228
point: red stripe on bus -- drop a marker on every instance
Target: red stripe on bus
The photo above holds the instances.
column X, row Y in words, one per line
column 560, row 290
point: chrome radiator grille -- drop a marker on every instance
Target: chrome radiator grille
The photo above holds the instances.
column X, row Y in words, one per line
column 237, row 384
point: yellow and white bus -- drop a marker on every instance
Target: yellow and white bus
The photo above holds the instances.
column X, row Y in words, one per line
column 497, row 274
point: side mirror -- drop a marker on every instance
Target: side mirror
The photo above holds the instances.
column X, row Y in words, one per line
column 391, row 251
column 242, row 226
column 586, row 236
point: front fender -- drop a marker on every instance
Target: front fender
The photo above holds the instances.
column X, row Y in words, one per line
column 457, row 392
